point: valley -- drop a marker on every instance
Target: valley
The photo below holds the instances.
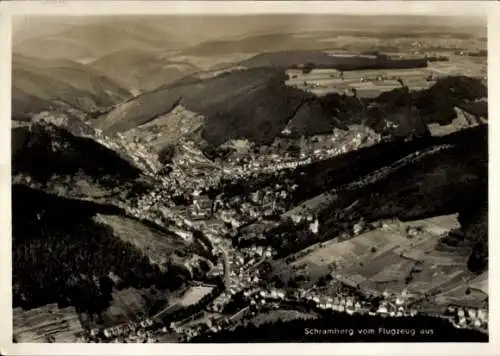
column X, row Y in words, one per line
column 171, row 190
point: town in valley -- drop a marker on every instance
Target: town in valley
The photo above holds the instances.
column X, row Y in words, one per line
column 251, row 180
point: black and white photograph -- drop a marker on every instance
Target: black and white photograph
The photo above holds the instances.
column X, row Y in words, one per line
column 249, row 178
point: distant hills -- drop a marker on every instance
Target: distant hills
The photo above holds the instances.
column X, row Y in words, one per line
column 141, row 70
column 238, row 104
column 322, row 39
column 256, row 104
column 319, row 59
column 50, row 84
column 92, row 40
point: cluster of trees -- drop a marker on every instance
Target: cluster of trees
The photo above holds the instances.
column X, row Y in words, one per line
column 61, row 255
column 166, row 154
column 474, row 226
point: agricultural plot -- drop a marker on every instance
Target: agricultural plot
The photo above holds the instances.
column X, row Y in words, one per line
column 370, row 244
column 459, row 66
column 424, row 250
column 391, row 259
column 312, row 205
column 463, row 296
column 394, row 273
column 48, row 323
column 436, row 225
column 416, row 266
column 480, row 283
column 325, row 81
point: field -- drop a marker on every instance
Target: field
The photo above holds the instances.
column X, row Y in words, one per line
column 280, row 314
column 40, row 324
column 324, row 81
column 192, row 295
column 460, row 65
column 312, row 205
column 461, row 296
column 480, row 283
column 475, row 294
column 158, row 245
column 418, row 266
column 352, row 250
column 393, row 260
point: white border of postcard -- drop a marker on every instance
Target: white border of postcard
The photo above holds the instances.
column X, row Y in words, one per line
column 456, row 8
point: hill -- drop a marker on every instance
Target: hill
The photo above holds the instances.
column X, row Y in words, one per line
column 62, row 254
column 67, row 161
column 141, row 70
column 94, row 39
column 256, row 104
column 448, row 179
column 40, row 84
column 318, row 59
column 345, row 34
column 252, row 44
column 252, row 104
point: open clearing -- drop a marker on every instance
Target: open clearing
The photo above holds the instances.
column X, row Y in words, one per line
column 355, row 249
column 280, row 314
column 192, row 295
column 155, row 243
column 390, row 259
column 325, row 81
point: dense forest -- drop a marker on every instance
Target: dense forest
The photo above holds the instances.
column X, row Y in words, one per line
column 61, row 255
column 43, row 151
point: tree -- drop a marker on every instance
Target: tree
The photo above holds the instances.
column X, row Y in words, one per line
column 294, row 150
column 308, row 67
column 167, row 154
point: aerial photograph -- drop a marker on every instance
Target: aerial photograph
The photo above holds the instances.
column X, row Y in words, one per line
column 249, row 178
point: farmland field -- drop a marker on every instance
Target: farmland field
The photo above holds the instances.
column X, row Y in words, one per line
column 354, row 249
column 36, row 325
column 390, row 259
column 324, row 81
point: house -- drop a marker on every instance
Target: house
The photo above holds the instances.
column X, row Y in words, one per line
column 472, row 313
column 382, row 310
column 482, row 315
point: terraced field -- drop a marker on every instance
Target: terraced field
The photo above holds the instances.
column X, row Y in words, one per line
column 49, row 321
